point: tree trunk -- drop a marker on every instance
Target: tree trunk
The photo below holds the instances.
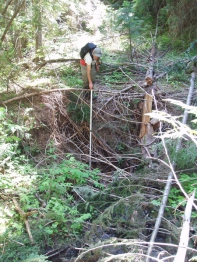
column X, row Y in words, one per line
column 38, row 31
column 6, row 7
column 150, row 72
column 147, row 108
column 19, row 42
column 38, row 34
column 17, row 45
column 17, row 10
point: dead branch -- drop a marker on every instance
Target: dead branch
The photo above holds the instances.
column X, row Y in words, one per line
column 7, row 196
column 58, row 60
column 184, row 238
column 24, row 217
column 68, row 134
column 54, row 252
column 102, row 143
column 40, row 93
column 160, row 75
column 125, row 64
column 55, row 104
column 165, row 52
column 76, row 128
column 114, row 95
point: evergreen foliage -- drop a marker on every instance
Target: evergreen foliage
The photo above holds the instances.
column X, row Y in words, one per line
column 176, row 200
column 185, row 157
column 176, row 18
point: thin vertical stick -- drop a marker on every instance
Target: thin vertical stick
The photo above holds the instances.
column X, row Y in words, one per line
column 90, row 149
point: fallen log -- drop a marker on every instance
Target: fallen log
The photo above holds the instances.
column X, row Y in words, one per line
column 58, row 60
column 40, row 93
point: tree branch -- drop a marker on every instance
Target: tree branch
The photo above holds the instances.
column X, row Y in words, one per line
column 184, row 238
column 58, row 60
column 39, row 93
column 24, row 217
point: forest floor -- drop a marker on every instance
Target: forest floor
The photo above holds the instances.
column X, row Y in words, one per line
column 130, row 172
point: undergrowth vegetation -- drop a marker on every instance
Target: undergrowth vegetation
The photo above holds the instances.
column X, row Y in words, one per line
column 176, row 200
column 46, row 195
column 60, row 196
column 50, row 198
column 70, row 75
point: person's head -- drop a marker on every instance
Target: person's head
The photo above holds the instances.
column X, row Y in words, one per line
column 97, row 53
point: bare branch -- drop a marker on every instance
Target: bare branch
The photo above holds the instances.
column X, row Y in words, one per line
column 24, row 216
column 184, row 238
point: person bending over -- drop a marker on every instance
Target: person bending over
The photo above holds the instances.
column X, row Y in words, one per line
column 89, row 67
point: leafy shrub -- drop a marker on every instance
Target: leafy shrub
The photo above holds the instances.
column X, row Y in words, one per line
column 54, row 186
column 71, row 76
column 8, row 140
column 47, row 193
column 15, row 250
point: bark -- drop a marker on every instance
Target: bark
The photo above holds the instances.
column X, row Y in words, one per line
column 170, row 176
column 11, row 20
column 150, row 72
column 38, row 32
column 6, row 7
column 184, row 238
column 58, row 60
column 147, row 108
column 17, row 45
column 39, row 93
column 160, row 75
column 53, row 90
column 18, row 40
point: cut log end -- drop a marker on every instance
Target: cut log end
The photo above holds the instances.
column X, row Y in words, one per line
column 149, row 81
